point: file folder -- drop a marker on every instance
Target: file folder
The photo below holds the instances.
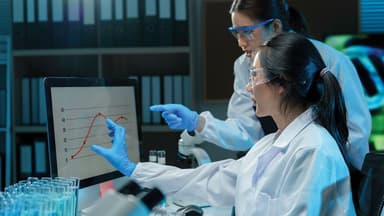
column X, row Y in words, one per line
column 3, row 113
column 181, row 33
column 132, row 23
column 25, row 160
column 58, row 24
column 165, row 23
column 89, row 33
column 25, row 101
column 35, row 101
column 178, row 89
column 187, row 97
column 73, row 24
column 43, row 26
column 32, row 38
column 106, row 23
column 150, row 30
column 156, row 91
column 19, row 24
column 146, row 99
column 119, row 24
column 40, row 157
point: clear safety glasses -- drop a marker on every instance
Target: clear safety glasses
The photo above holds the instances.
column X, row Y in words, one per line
column 246, row 31
column 255, row 72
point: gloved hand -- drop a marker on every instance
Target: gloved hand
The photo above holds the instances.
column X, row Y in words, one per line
column 177, row 116
column 117, row 155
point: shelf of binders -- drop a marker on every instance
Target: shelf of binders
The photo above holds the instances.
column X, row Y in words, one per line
column 45, row 24
column 5, row 111
column 31, row 155
column 102, row 51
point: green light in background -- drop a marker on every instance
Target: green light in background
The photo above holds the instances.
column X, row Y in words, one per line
column 378, row 141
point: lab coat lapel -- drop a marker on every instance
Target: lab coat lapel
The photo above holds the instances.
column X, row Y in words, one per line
column 281, row 143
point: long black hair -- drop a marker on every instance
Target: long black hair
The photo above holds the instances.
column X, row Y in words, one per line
column 291, row 18
column 301, row 71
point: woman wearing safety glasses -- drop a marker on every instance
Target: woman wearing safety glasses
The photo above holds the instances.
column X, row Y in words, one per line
column 299, row 170
column 253, row 23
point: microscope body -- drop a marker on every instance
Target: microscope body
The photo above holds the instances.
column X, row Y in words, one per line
column 189, row 151
column 130, row 200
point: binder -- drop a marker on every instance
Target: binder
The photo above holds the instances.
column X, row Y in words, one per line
column 25, row 101
column 187, row 97
column 40, row 157
column 58, row 24
column 156, row 91
column 42, row 103
column 19, row 24
column 25, row 160
column 43, row 26
column 2, row 171
column 146, row 99
column 180, row 32
column 168, row 89
column 32, row 38
column 178, row 89
column 35, row 101
column 73, row 24
column 118, row 24
column 132, row 23
column 149, row 32
column 89, row 30
column 165, row 22
column 3, row 103
column 106, row 23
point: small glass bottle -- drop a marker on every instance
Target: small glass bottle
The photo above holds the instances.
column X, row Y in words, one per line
column 152, row 156
column 161, row 159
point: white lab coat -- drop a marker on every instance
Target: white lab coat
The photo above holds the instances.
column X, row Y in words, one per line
column 241, row 129
column 302, row 172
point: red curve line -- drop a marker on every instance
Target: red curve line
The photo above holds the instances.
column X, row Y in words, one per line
column 90, row 129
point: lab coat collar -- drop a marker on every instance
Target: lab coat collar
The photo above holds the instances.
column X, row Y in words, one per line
column 243, row 59
column 282, row 142
column 293, row 129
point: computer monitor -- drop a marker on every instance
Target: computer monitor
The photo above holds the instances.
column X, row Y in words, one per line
column 77, row 109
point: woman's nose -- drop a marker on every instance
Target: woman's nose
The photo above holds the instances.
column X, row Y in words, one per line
column 242, row 43
column 249, row 87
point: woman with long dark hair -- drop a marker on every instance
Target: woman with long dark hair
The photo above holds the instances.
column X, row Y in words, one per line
column 298, row 170
column 253, row 23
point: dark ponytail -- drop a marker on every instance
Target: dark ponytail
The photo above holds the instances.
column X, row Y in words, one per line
column 297, row 21
column 331, row 111
column 291, row 18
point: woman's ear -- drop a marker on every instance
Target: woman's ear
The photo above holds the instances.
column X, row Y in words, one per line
column 280, row 90
column 277, row 26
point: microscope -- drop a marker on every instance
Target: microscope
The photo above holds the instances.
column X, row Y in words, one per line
column 130, row 200
column 190, row 152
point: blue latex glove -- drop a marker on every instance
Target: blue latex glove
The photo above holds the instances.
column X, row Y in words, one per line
column 177, row 116
column 117, row 155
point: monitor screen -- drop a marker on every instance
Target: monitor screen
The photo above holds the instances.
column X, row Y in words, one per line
column 366, row 52
column 77, row 112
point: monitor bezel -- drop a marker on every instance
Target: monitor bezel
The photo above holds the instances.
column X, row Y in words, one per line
column 50, row 82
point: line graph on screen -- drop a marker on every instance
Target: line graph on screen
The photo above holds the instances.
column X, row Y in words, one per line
column 79, row 121
column 90, row 129
column 84, row 126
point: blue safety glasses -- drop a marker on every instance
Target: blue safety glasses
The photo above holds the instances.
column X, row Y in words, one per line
column 246, row 31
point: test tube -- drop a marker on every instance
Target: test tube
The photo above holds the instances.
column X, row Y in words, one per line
column 41, row 197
